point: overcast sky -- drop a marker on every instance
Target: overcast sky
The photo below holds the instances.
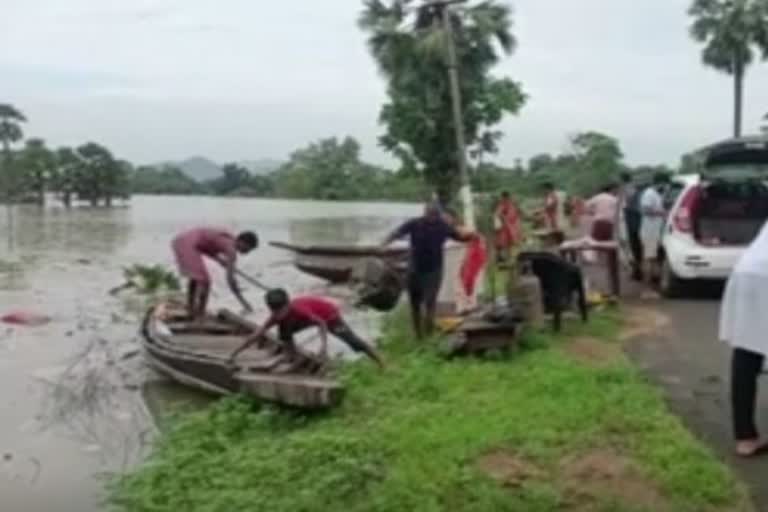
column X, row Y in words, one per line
column 245, row 79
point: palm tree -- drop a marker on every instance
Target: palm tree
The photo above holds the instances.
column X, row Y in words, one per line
column 10, row 126
column 10, row 133
column 732, row 31
column 396, row 30
column 409, row 43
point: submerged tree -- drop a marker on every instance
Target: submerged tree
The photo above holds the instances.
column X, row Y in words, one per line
column 328, row 169
column 68, row 165
column 100, row 175
column 409, row 44
column 37, row 166
column 732, row 31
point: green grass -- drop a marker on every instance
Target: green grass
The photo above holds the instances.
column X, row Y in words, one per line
column 409, row 438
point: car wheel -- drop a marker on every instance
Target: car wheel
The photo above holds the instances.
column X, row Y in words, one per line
column 670, row 285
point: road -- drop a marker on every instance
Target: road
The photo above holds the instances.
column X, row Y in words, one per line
column 688, row 362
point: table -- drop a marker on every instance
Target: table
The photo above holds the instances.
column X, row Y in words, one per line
column 571, row 249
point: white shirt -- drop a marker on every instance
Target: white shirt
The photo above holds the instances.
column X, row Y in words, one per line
column 651, row 203
column 743, row 318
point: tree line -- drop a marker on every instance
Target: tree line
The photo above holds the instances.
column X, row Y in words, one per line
column 332, row 169
column 329, row 169
column 89, row 172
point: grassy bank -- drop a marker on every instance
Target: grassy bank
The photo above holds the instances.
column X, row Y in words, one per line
column 567, row 423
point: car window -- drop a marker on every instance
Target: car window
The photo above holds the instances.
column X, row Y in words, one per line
column 737, row 171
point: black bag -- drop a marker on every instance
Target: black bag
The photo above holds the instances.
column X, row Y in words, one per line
column 377, row 283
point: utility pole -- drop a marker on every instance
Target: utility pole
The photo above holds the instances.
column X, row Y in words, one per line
column 465, row 191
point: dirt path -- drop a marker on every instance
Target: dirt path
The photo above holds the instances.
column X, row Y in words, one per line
column 684, row 357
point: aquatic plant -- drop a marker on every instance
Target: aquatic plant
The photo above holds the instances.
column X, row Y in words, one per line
column 148, row 279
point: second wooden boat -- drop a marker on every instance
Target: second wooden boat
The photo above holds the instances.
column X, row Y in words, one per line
column 335, row 263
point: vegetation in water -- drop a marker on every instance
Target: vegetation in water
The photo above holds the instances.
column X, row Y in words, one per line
column 148, row 279
column 9, row 266
column 544, row 429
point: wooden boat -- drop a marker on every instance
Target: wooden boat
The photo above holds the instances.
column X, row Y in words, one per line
column 334, row 263
column 197, row 356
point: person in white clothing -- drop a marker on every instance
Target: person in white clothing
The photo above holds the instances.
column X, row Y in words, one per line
column 652, row 224
column 744, row 325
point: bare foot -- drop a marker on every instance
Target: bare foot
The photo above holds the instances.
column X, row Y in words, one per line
column 751, row 448
column 650, row 295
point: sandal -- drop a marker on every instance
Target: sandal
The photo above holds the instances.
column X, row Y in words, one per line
column 761, row 449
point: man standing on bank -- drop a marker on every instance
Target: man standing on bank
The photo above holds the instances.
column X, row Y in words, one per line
column 651, row 227
column 743, row 325
column 428, row 235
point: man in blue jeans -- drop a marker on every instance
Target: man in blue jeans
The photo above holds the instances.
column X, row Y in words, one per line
column 428, row 235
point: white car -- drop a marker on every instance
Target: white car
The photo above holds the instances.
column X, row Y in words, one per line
column 715, row 214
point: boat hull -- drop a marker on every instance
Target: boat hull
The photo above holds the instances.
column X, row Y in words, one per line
column 336, row 264
column 200, row 361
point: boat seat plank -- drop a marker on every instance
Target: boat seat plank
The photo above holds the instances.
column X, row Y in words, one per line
column 203, row 342
column 215, row 349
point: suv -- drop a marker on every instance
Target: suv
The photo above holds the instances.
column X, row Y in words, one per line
column 715, row 214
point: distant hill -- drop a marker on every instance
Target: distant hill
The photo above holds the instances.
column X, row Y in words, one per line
column 262, row 166
column 197, row 167
column 202, row 169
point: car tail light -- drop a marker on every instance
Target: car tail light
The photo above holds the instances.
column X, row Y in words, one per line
column 683, row 220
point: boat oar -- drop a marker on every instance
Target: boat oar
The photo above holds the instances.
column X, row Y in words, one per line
column 252, row 280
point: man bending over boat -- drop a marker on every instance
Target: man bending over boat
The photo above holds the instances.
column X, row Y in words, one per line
column 220, row 245
column 293, row 316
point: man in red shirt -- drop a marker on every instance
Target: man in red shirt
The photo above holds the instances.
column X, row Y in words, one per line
column 293, row 316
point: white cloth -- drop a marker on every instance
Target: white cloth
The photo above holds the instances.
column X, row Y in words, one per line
column 744, row 311
column 560, row 215
column 652, row 206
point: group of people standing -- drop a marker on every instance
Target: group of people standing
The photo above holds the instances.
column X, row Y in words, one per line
column 644, row 216
column 428, row 235
column 508, row 219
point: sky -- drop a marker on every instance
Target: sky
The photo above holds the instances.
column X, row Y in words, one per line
column 159, row 80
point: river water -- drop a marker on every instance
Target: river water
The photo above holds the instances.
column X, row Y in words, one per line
column 75, row 398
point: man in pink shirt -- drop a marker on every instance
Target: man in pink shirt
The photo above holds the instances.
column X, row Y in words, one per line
column 220, row 245
column 293, row 316
column 602, row 208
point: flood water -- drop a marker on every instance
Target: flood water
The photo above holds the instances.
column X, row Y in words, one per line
column 75, row 399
